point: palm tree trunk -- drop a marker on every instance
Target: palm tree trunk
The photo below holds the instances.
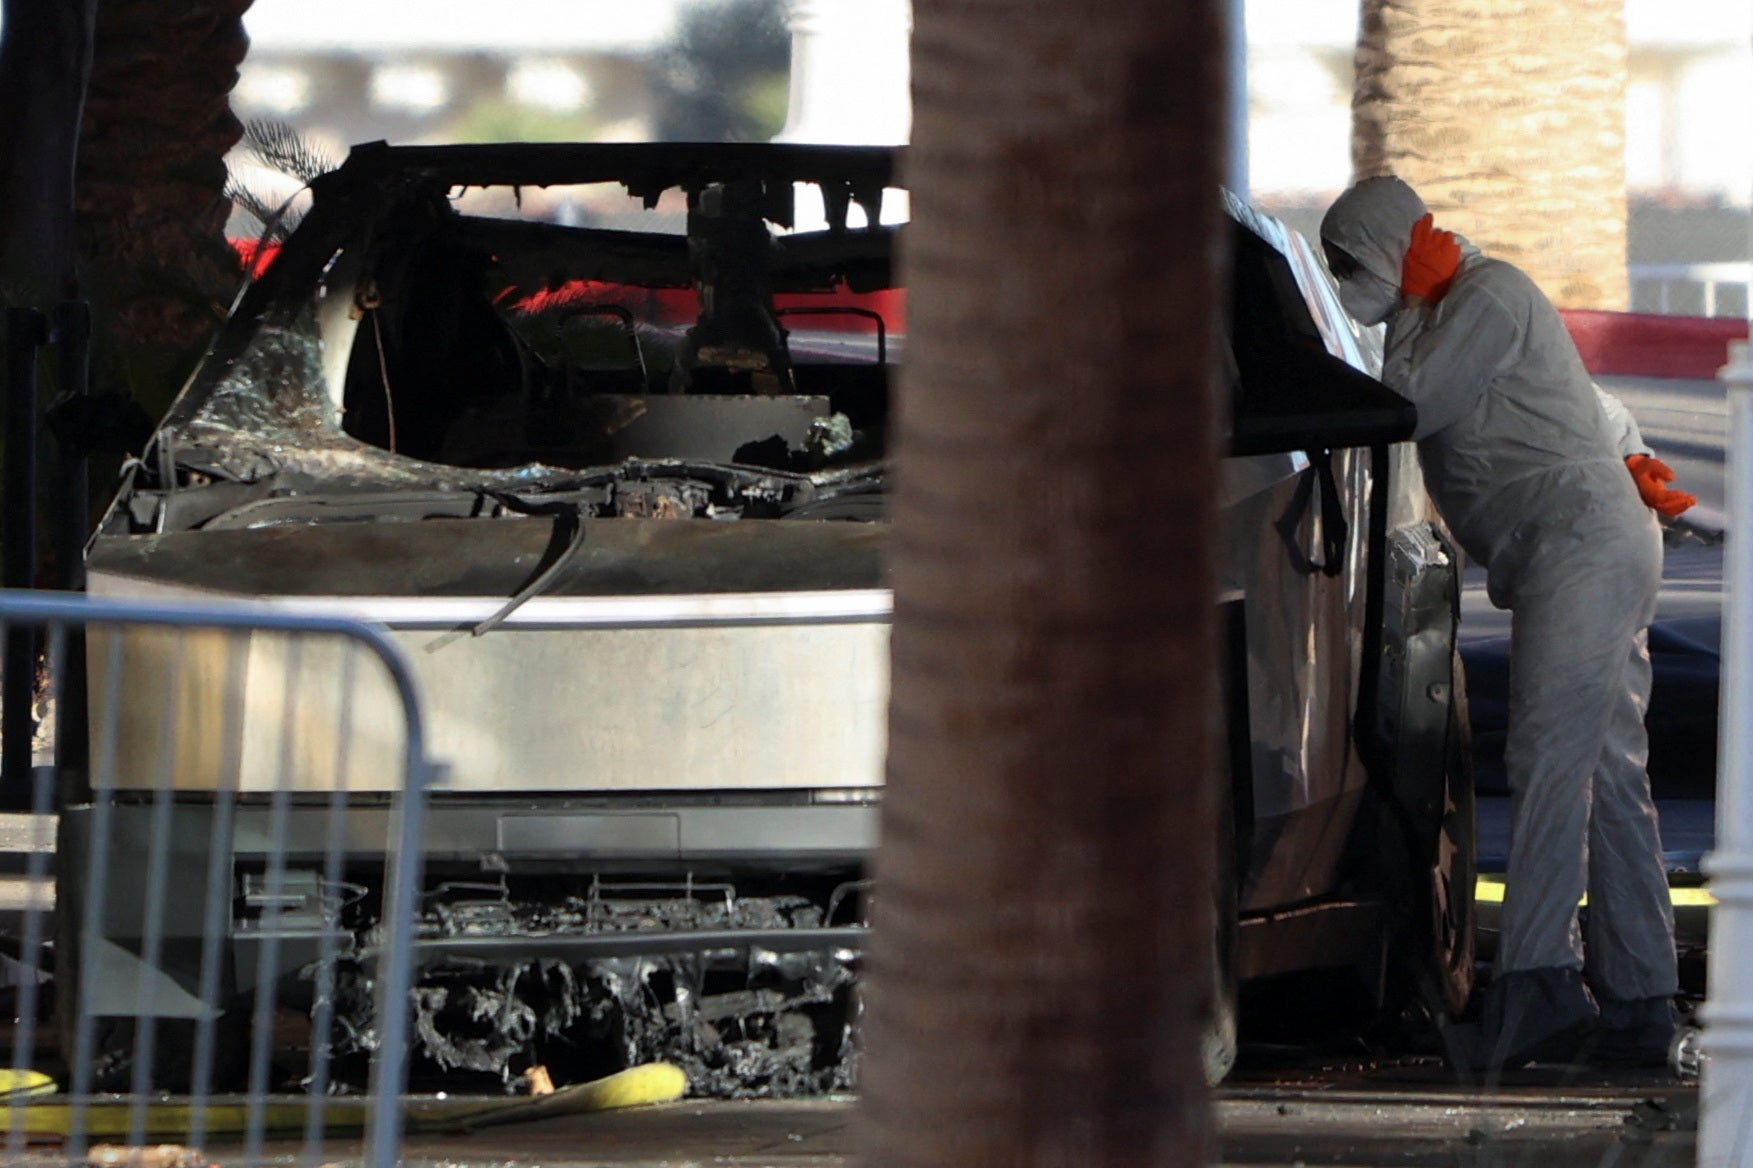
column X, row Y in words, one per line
column 45, row 59
column 152, row 208
column 1039, row 967
column 1508, row 116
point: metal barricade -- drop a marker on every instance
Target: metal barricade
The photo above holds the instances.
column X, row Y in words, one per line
column 205, row 862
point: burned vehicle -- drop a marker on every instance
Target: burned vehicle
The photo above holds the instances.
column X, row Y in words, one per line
column 618, row 490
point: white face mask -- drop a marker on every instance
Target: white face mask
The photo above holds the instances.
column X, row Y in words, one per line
column 1367, row 297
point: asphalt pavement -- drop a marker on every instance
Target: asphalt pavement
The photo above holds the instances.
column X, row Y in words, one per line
column 1398, row 1115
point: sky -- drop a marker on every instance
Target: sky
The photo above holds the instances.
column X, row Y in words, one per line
column 373, row 25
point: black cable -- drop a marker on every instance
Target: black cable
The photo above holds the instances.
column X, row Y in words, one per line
column 564, row 543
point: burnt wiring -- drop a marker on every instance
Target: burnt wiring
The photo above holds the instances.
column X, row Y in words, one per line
column 367, row 302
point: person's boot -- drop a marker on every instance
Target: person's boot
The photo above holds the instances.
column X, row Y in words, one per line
column 1635, row 1033
column 1529, row 1015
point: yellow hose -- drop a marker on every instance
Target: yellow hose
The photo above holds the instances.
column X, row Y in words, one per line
column 35, row 1110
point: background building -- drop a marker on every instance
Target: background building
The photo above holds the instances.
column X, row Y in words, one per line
column 345, row 71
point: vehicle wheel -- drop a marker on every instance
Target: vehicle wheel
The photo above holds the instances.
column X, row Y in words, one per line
column 115, row 1041
column 1218, row 1044
column 1449, row 961
column 1430, row 967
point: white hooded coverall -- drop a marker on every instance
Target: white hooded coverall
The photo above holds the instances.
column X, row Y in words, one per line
column 1526, row 465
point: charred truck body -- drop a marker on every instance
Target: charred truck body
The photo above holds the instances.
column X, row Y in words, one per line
column 619, row 492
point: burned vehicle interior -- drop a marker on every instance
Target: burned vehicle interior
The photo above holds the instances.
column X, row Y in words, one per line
column 429, row 396
column 503, row 354
column 522, row 353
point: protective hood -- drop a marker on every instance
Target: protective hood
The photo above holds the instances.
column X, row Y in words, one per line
column 1372, row 223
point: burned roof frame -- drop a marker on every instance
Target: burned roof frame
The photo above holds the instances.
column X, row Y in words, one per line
column 846, row 174
column 377, row 176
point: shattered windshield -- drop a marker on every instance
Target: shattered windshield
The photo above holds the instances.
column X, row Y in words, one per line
column 514, row 338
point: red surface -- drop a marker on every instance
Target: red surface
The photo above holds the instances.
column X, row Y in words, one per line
column 680, row 306
column 668, row 306
column 1642, row 345
column 253, row 256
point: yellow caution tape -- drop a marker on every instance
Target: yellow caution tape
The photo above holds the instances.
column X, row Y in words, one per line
column 112, row 1117
column 1490, row 889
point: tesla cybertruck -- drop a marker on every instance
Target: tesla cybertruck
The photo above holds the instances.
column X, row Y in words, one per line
column 598, row 431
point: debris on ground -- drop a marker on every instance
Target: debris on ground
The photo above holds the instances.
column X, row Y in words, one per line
column 144, row 1156
column 1662, row 1115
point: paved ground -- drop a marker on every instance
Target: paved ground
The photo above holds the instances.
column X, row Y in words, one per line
column 1405, row 1116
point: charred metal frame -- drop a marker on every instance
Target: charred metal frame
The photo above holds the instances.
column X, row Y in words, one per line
column 375, row 175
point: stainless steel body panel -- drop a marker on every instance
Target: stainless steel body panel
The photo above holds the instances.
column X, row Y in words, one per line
column 595, row 694
column 469, row 833
column 703, row 706
column 1301, row 650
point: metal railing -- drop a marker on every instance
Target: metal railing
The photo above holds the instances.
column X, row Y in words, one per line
column 188, row 908
column 1725, row 1086
column 1690, row 289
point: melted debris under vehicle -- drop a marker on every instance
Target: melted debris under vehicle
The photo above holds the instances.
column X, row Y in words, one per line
column 742, row 1022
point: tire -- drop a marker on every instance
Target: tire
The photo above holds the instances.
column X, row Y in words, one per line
column 1217, row 1048
column 115, row 1041
column 1218, row 1044
column 1431, row 882
column 1454, row 870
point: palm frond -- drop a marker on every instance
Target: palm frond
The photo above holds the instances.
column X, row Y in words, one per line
column 276, row 221
column 281, row 147
column 249, row 201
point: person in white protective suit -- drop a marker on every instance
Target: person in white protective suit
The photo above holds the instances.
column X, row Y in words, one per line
column 1544, row 479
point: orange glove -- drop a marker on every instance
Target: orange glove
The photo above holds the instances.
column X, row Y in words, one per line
column 1431, row 261
column 1652, row 477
